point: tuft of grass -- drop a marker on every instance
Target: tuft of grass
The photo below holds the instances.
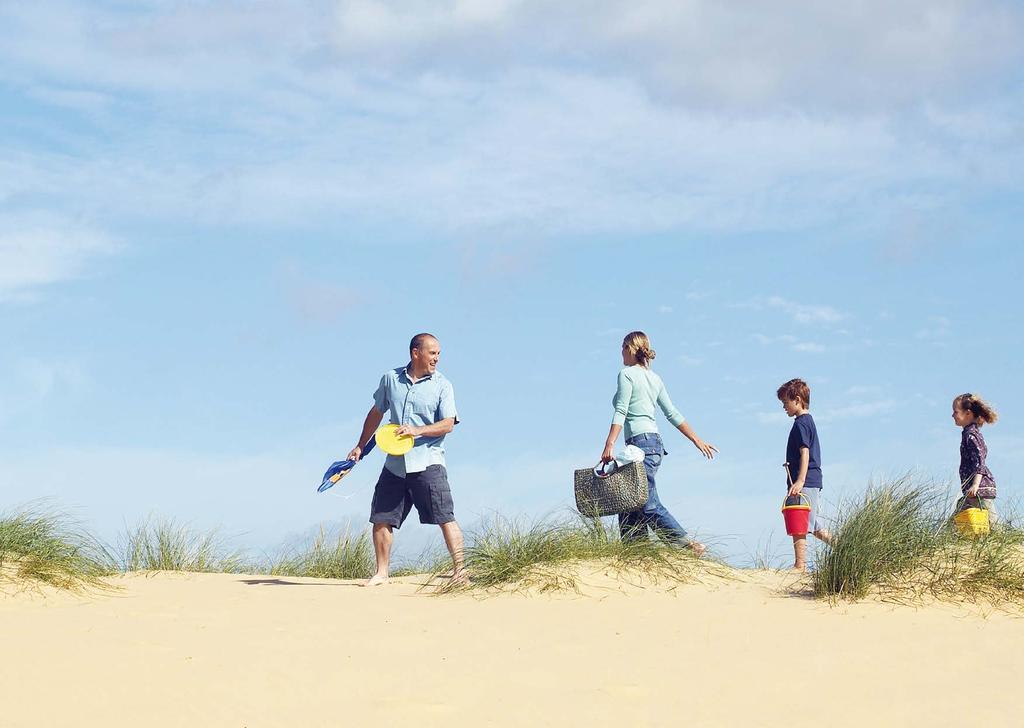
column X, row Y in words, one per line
column 40, row 547
column 342, row 556
column 160, row 544
column 898, row 541
column 544, row 555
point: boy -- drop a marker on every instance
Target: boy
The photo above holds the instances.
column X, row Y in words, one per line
column 803, row 460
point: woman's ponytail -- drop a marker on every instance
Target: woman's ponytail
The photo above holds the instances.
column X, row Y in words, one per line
column 637, row 344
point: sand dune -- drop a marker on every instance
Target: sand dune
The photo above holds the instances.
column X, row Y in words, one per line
column 230, row 650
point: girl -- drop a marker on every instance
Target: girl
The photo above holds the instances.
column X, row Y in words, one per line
column 977, row 485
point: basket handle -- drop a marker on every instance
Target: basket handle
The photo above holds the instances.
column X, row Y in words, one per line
column 600, row 470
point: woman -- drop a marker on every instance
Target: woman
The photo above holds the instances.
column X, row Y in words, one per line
column 639, row 390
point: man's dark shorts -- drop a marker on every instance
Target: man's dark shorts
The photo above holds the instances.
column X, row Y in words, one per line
column 394, row 497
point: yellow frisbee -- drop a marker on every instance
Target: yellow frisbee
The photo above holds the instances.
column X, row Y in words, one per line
column 391, row 443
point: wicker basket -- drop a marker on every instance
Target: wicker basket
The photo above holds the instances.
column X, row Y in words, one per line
column 621, row 491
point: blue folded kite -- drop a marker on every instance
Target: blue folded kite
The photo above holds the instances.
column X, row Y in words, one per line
column 340, row 469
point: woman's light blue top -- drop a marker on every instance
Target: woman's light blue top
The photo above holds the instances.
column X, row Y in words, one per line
column 638, row 391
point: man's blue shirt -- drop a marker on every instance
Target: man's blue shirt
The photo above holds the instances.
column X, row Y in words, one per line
column 428, row 400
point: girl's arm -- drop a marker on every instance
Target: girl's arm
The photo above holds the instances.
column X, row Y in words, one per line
column 972, row 492
column 801, row 476
column 706, row 448
column 609, row 444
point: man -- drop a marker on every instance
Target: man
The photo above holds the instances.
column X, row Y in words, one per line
column 422, row 402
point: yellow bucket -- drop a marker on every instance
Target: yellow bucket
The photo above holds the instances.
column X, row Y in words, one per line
column 972, row 522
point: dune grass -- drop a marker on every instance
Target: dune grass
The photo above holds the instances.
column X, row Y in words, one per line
column 43, row 547
column 546, row 554
column 162, row 544
column 326, row 556
column 897, row 541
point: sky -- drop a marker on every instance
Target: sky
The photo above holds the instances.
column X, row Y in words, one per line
column 220, row 222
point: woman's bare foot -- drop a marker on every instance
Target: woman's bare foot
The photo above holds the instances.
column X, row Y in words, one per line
column 459, row 578
column 698, row 549
column 377, row 580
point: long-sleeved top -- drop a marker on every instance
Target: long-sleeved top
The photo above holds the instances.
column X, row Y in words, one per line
column 639, row 390
column 973, row 452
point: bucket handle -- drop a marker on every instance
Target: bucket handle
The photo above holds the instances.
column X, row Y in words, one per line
column 800, row 495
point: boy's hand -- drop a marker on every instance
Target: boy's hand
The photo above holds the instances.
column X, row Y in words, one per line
column 357, row 452
column 796, row 488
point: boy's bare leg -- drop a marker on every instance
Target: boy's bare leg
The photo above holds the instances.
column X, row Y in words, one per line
column 800, row 553
column 382, row 538
column 453, row 540
column 824, row 536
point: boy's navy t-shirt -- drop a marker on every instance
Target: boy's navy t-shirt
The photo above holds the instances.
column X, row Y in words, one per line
column 804, row 434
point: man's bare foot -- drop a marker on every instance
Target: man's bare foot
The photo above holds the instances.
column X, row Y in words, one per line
column 459, row 578
column 698, row 549
column 377, row 580
column 801, row 568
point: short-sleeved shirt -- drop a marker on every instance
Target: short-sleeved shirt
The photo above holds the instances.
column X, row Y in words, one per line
column 804, row 434
column 428, row 400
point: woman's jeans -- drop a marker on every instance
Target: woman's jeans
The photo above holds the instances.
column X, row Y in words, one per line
column 633, row 526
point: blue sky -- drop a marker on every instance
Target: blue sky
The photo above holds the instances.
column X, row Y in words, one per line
column 220, row 222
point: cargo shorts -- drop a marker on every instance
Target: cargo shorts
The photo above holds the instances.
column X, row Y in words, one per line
column 394, row 497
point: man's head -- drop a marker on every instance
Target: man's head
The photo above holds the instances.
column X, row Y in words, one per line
column 424, row 351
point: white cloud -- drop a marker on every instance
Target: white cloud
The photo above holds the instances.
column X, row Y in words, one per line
column 44, row 378
column 37, row 251
column 808, row 347
column 858, row 410
column 466, row 115
column 664, row 309
column 803, row 313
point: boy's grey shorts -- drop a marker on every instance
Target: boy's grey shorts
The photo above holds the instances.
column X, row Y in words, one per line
column 394, row 497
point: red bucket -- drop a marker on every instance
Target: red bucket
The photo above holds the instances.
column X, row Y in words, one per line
column 797, row 517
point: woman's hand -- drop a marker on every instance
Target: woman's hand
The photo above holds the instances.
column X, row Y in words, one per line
column 606, row 455
column 706, row 448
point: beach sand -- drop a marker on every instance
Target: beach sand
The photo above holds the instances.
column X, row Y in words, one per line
column 230, row 650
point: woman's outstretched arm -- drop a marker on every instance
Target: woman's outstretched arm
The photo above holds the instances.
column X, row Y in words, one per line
column 706, row 448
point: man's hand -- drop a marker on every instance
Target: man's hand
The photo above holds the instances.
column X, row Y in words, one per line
column 357, row 452
column 408, row 430
column 796, row 487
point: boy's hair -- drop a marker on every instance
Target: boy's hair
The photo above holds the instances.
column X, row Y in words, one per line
column 795, row 389
column 978, row 407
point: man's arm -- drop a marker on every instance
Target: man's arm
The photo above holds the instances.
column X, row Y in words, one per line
column 441, row 427
column 370, row 425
